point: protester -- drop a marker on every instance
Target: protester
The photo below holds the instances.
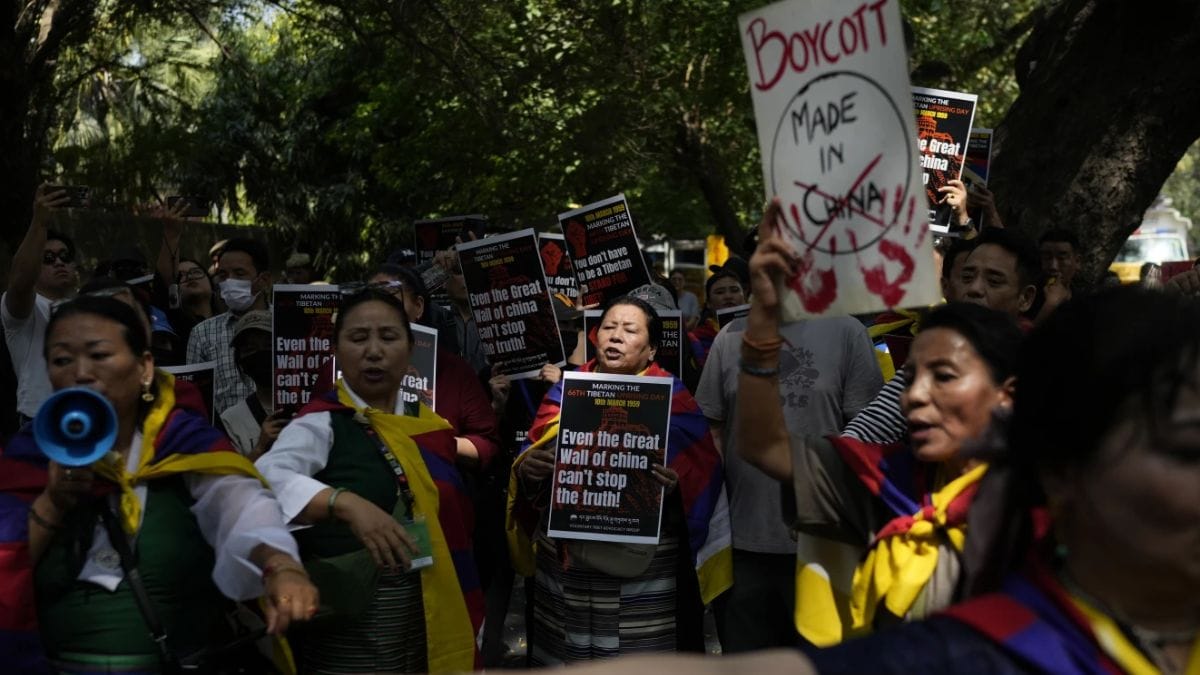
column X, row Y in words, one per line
column 197, row 298
column 43, row 272
column 959, row 372
column 580, row 612
column 204, row 524
column 243, row 269
column 828, row 373
column 466, row 333
column 254, row 423
column 368, row 478
column 298, row 269
column 1059, row 250
column 1110, row 584
column 688, row 303
column 724, row 289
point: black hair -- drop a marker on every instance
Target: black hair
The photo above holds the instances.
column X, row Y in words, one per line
column 653, row 324
column 55, row 235
column 1029, row 261
column 993, row 335
column 717, row 275
column 955, row 248
column 411, row 279
column 134, row 327
column 1060, row 236
column 369, row 294
column 1098, row 360
column 1146, row 269
column 251, row 247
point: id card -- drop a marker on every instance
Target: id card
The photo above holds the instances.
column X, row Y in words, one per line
column 418, row 529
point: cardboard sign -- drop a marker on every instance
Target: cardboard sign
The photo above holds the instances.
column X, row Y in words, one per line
column 832, row 103
column 943, row 132
column 724, row 316
column 440, row 234
column 604, row 249
column 556, row 262
column 420, row 382
column 670, row 352
column 301, row 341
column 511, row 303
column 203, row 376
column 613, row 427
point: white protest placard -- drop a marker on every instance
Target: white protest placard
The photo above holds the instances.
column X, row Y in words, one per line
column 833, row 107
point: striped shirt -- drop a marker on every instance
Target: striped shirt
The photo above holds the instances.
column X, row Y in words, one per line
column 881, row 422
column 211, row 341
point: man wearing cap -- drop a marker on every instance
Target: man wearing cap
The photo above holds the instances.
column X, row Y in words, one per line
column 298, row 269
column 828, row 373
column 252, row 423
column 43, row 272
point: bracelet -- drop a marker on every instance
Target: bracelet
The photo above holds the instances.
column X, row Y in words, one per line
column 766, row 346
column 283, row 567
column 333, row 498
column 37, row 518
column 757, row 371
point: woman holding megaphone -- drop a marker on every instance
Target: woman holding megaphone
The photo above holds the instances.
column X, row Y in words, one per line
column 132, row 552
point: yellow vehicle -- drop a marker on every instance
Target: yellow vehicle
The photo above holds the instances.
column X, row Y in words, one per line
column 1162, row 237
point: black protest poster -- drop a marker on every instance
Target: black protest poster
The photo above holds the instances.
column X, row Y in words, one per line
column 511, row 303
column 441, row 234
column 420, row 381
column 201, row 375
column 724, row 316
column 943, row 130
column 556, row 262
column 604, row 249
column 670, row 350
column 978, row 164
column 612, row 428
column 301, row 341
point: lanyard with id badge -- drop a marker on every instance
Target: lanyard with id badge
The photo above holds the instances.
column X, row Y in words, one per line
column 414, row 523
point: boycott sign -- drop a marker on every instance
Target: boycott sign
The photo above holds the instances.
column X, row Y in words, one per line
column 560, row 275
column 420, row 382
column 301, row 341
column 674, row 337
column 943, row 131
column 612, row 428
column 829, row 83
column 202, row 375
column 511, row 303
column 604, row 249
column 441, row 234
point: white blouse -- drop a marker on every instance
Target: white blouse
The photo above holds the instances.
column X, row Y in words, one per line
column 235, row 514
column 300, row 451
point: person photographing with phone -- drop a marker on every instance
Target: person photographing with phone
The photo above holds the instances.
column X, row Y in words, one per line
column 253, row 423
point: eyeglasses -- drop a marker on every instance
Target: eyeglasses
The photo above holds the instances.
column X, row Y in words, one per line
column 48, row 257
column 193, row 274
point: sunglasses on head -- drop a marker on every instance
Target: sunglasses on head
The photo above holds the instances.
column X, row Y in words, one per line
column 48, row 257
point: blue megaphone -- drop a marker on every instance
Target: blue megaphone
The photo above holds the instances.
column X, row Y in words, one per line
column 75, row 427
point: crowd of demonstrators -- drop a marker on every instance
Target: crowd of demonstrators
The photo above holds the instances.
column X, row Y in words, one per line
column 993, row 484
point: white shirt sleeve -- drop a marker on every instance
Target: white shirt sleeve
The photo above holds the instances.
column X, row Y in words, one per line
column 301, row 450
column 235, row 515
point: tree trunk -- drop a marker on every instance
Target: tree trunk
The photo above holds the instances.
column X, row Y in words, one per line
column 1109, row 96
column 695, row 158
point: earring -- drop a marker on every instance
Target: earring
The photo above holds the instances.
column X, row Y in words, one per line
column 147, row 395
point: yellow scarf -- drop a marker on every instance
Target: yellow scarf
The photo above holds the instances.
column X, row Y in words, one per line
column 897, row 568
column 450, row 639
column 1114, row 643
column 113, row 467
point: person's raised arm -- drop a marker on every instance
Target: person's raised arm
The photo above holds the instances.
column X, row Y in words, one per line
column 27, row 261
column 762, row 434
column 168, row 252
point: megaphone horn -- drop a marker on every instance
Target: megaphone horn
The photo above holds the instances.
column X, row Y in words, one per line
column 75, row 427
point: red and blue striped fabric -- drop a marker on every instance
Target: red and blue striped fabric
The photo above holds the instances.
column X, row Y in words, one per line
column 455, row 511
column 690, row 453
column 23, row 476
column 1033, row 618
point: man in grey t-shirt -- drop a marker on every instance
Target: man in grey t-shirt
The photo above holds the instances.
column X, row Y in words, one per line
column 828, row 373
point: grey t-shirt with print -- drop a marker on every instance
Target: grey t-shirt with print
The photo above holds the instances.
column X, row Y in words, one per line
column 828, row 373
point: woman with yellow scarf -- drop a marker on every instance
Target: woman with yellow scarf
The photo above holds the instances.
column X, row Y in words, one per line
column 894, row 516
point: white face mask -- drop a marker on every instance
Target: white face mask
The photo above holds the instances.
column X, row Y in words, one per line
column 237, row 295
